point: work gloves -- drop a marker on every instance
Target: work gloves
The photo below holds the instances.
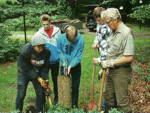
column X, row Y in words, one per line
column 107, row 63
column 43, row 82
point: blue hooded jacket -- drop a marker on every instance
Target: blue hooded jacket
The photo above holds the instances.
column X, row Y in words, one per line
column 54, row 50
column 70, row 54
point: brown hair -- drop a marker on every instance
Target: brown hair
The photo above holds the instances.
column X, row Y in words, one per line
column 97, row 12
column 45, row 17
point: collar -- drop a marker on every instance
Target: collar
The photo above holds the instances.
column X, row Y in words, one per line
column 120, row 27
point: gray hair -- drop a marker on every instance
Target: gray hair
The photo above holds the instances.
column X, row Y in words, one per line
column 111, row 13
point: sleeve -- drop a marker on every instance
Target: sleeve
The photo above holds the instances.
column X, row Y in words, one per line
column 77, row 53
column 58, row 34
column 96, row 40
column 24, row 65
column 61, row 53
column 45, row 68
column 129, row 47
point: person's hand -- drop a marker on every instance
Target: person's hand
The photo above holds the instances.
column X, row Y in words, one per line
column 65, row 71
column 43, row 82
column 33, row 61
column 95, row 46
column 100, row 74
column 96, row 60
column 107, row 63
column 69, row 69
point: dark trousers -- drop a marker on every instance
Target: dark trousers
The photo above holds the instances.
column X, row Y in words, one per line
column 75, row 75
column 21, row 93
column 54, row 73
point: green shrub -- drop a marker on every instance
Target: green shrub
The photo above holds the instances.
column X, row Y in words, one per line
column 9, row 50
column 9, row 47
column 114, row 110
column 142, row 50
column 60, row 109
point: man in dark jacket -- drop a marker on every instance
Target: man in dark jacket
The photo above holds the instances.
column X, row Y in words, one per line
column 32, row 65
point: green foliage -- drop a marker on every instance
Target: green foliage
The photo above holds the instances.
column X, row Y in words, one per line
column 64, row 7
column 142, row 53
column 9, row 48
column 114, row 111
column 12, row 15
column 4, row 32
column 60, row 109
column 106, row 2
column 141, row 13
column 142, row 73
column 142, row 50
column 33, row 9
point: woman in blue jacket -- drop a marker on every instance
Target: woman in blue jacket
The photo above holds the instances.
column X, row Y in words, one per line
column 70, row 47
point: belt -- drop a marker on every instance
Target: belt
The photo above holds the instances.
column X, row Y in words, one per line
column 121, row 66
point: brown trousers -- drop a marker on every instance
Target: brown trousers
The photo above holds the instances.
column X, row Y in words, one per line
column 116, row 88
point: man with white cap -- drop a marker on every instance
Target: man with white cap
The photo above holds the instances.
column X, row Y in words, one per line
column 32, row 64
column 118, row 59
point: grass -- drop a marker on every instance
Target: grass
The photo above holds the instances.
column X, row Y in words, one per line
column 8, row 79
column 30, row 32
column 136, row 28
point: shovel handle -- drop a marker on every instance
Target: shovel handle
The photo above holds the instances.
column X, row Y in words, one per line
column 93, row 75
column 102, row 82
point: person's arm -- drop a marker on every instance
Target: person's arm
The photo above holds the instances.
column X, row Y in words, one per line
column 127, row 55
column 61, row 53
column 117, row 62
column 45, row 68
column 58, row 34
column 77, row 53
column 95, row 44
column 23, row 62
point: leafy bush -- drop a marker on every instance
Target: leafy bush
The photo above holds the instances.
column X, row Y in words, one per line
column 141, row 13
column 142, row 50
column 142, row 53
column 114, row 111
column 9, row 50
column 60, row 109
column 9, row 47
column 12, row 15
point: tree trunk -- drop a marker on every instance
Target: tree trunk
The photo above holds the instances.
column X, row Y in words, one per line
column 64, row 91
